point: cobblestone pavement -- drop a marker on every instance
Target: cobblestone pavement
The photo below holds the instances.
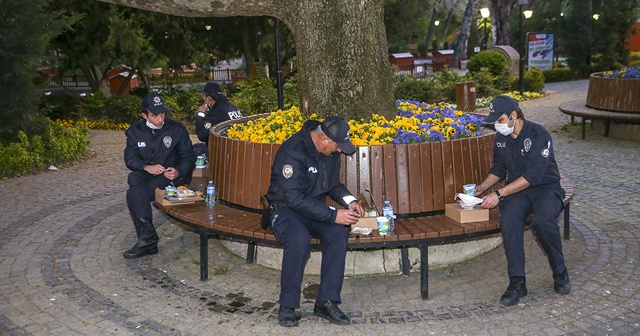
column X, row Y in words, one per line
column 62, row 234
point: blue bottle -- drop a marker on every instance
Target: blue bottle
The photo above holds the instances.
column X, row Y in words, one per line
column 211, row 195
column 387, row 211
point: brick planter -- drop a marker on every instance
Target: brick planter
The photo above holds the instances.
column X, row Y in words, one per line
column 417, row 178
column 613, row 94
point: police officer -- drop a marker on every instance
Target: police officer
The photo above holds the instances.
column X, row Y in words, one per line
column 523, row 157
column 216, row 109
column 305, row 170
column 158, row 152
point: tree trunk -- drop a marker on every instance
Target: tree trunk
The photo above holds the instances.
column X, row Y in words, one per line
column 463, row 37
column 502, row 12
column 341, row 48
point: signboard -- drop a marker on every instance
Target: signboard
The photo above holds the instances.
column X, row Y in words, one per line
column 540, row 50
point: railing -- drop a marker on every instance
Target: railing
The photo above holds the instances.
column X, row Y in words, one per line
column 69, row 81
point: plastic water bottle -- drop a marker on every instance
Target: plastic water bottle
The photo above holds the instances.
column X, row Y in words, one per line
column 387, row 211
column 211, row 195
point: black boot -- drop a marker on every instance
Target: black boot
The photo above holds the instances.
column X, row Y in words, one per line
column 330, row 311
column 561, row 282
column 147, row 240
column 517, row 289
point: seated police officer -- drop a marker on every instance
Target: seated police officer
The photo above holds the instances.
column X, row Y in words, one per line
column 216, row 109
column 523, row 157
column 305, row 170
column 158, row 152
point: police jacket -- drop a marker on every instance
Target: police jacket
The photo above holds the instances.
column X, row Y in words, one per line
column 529, row 155
column 221, row 111
column 302, row 177
column 169, row 146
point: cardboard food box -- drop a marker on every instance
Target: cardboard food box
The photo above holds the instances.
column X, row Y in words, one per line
column 464, row 215
column 161, row 200
column 367, row 222
column 200, row 172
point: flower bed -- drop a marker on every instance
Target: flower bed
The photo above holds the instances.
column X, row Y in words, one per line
column 415, row 122
column 615, row 90
column 417, row 171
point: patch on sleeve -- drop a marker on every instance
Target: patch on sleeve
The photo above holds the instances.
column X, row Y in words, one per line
column 207, row 125
column 287, row 171
column 545, row 152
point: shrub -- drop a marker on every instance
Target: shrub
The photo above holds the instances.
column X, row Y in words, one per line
column 634, row 56
column 485, row 83
column 634, row 63
column 123, row 109
column 60, row 106
column 495, row 62
column 533, row 81
column 258, row 95
column 558, row 75
column 414, row 89
column 444, row 86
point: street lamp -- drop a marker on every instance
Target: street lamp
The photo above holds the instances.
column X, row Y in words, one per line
column 485, row 14
column 437, row 23
column 527, row 14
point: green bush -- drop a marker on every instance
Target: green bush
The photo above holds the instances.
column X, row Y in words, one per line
column 123, row 109
column 533, row 81
column 258, row 95
column 558, row 75
column 444, row 85
column 183, row 102
column 485, row 84
column 495, row 62
column 60, row 106
column 57, row 144
column 634, row 56
column 414, row 89
column 634, row 63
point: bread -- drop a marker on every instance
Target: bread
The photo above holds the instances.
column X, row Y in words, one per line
column 183, row 188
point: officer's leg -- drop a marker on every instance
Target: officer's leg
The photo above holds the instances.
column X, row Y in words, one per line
column 513, row 210
column 547, row 206
column 333, row 238
column 291, row 231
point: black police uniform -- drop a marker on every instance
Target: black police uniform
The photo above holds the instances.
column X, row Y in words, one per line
column 222, row 110
column 530, row 155
column 169, row 146
column 301, row 179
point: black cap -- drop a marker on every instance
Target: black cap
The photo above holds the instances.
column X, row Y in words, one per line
column 499, row 106
column 212, row 89
column 337, row 129
column 153, row 103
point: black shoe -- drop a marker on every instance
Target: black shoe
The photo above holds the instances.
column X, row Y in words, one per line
column 330, row 311
column 287, row 317
column 517, row 289
column 137, row 252
column 561, row 282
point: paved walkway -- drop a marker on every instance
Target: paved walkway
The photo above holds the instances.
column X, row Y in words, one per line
column 61, row 270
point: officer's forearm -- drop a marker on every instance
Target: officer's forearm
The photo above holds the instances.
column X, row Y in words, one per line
column 516, row 186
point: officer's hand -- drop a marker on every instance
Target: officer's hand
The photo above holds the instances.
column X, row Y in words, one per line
column 154, row 169
column 356, row 207
column 490, row 201
column 202, row 108
column 479, row 189
column 171, row 173
column 346, row 217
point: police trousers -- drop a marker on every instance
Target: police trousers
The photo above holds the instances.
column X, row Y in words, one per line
column 545, row 203
column 142, row 186
column 294, row 232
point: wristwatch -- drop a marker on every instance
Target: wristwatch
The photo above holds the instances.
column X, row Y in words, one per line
column 500, row 197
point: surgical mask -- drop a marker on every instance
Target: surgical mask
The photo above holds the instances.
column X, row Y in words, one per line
column 152, row 126
column 504, row 129
column 467, row 201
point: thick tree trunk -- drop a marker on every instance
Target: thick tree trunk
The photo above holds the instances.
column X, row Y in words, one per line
column 341, row 48
column 463, row 37
column 501, row 14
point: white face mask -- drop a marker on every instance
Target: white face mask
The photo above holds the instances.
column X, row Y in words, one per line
column 504, row 129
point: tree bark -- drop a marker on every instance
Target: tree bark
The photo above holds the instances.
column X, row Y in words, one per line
column 341, row 48
column 502, row 12
column 463, row 37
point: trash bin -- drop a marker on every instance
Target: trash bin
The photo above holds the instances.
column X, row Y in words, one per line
column 466, row 96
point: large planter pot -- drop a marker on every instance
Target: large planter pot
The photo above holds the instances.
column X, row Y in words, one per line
column 417, row 178
column 614, row 94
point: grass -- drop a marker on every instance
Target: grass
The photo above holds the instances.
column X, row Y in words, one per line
column 221, row 270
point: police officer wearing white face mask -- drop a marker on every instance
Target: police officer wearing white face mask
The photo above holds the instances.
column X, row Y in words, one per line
column 523, row 157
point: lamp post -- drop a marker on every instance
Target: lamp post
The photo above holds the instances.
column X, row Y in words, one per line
column 485, row 14
column 522, row 48
column 437, row 23
column 276, row 24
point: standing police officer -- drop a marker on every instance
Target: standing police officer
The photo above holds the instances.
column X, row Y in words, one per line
column 216, row 109
column 523, row 157
column 158, row 152
column 306, row 169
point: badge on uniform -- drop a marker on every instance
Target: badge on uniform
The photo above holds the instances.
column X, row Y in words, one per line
column 287, row 171
column 167, row 141
column 527, row 145
column 545, row 152
column 207, row 125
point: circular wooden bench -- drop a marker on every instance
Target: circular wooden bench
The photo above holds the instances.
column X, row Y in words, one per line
column 577, row 108
column 243, row 225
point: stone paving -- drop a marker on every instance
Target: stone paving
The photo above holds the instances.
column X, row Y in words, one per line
column 62, row 234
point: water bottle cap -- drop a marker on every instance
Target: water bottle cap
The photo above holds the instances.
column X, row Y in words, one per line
column 210, row 181
column 387, row 202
